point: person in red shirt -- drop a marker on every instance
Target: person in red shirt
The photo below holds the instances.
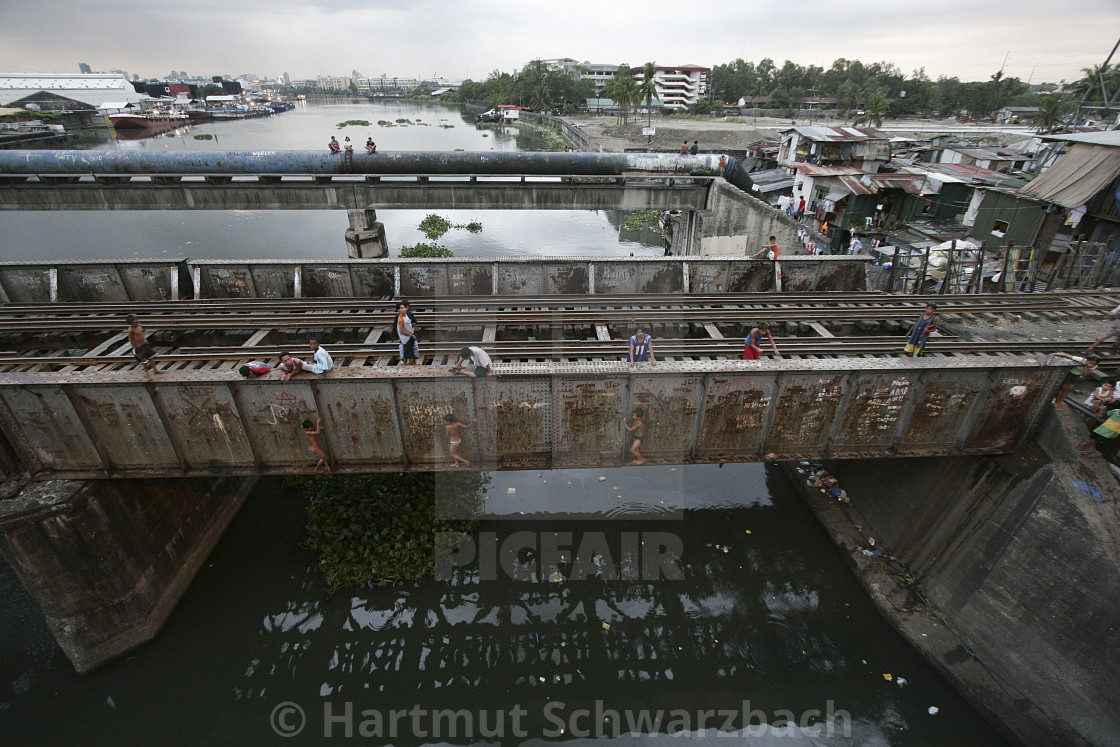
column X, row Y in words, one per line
column 768, row 251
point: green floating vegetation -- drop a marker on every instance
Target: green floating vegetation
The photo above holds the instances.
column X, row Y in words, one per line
column 353, row 123
column 204, row 136
column 447, row 127
column 403, row 121
column 380, row 529
column 635, row 221
column 385, row 123
column 425, row 251
column 170, row 134
column 434, row 226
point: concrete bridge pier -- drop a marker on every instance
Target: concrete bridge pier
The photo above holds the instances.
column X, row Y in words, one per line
column 365, row 238
column 108, row 560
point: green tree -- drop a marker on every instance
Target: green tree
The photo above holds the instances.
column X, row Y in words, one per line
column 623, row 91
column 648, row 89
column 1050, row 115
column 875, row 109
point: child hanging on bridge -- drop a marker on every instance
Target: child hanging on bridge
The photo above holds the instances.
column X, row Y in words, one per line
column 312, row 434
column 637, row 429
column 454, row 437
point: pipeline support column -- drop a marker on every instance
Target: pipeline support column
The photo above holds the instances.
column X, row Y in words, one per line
column 365, row 238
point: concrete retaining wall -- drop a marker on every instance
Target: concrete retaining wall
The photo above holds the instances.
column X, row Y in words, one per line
column 738, row 223
column 537, row 416
column 1021, row 557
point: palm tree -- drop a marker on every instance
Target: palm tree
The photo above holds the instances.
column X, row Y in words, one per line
column 1049, row 116
column 1092, row 80
column 876, row 107
column 648, row 89
column 623, row 91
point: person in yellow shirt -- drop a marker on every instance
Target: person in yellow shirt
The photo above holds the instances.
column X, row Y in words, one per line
column 1103, row 433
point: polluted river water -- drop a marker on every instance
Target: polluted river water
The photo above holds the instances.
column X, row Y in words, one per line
column 757, row 621
column 765, row 623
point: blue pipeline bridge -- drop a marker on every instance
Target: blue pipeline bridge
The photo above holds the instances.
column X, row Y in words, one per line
column 292, row 180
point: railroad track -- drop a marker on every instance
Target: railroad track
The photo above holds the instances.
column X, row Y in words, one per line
column 535, row 351
column 549, row 311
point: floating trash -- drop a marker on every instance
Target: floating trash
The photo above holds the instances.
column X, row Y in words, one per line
column 887, row 677
column 557, row 577
column 602, row 479
column 934, row 710
column 511, row 491
column 606, row 626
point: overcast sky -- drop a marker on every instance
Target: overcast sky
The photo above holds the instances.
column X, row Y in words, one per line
column 469, row 38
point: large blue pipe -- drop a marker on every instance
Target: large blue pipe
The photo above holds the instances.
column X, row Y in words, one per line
column 116, row 162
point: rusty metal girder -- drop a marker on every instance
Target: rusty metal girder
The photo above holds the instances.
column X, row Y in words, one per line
column 115, row 424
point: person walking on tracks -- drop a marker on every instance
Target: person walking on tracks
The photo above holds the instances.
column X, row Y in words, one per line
column 138, row 339
column 920, row 332
column 752, row 345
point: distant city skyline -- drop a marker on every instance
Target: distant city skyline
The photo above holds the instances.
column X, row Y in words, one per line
column 458, row 39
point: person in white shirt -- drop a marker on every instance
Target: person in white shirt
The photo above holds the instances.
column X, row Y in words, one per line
column 323, row 361
column 856, row 246
column 479, row 362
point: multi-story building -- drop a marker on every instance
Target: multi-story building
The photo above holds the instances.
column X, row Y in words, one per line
column 333, row 82
column 678, row 87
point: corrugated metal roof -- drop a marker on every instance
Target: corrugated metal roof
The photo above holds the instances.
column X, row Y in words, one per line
column 910, row 183
column 810, row 169
column 837, row 134
column 856, row 186
column 1078, row 175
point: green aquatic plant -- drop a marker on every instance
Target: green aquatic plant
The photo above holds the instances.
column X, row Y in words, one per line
column 353, row 123
column 425, row 251
column 433, row 226
column 635, row 221
column 204, row 136
column 379, row 529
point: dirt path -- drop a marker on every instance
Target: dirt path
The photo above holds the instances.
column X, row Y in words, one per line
column 714, row 134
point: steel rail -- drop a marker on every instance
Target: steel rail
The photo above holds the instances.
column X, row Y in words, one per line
column 512, row 350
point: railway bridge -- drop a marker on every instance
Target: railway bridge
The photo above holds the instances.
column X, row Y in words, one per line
column 74, row 404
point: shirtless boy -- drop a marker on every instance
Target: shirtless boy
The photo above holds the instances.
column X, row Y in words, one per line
column 638, row 429
column 313, row 444
column 138, row 339
column 454, row 437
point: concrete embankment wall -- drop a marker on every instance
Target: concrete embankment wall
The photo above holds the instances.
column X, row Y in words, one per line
column 738, row 223
column 1020, row 554
column 108, row 561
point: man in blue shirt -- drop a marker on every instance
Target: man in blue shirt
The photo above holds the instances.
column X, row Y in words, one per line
column 641, row 347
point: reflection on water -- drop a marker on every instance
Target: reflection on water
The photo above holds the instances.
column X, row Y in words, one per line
column 771, row 618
